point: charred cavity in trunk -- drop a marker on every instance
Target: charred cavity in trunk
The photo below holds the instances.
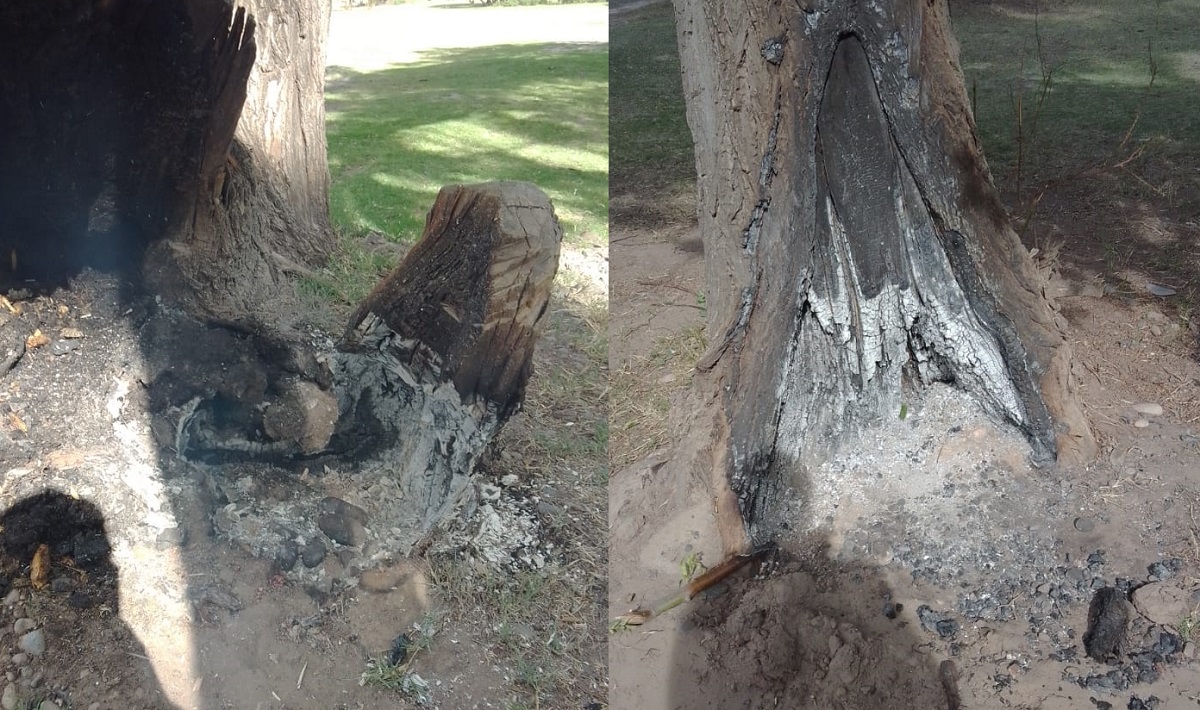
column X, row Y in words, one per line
column 106, row 115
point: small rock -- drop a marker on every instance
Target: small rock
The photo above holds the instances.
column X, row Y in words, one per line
column 509, row 480
column 1141, row 423
column 62, row 347
column 20, row 659
column 62, row 584
column 313, row 553
column 12, row 597
column 342, row 522
column 304, row 414
column 1189, row 650
column 1161, row 603
column 9, row 698
column 33, row 642
column 22, row 625
column 1165, row 569
column 1150, row 409
column 286, row 555
column 1084, row 524
column 49, row 705
column 1156, row 330
column 938, row 623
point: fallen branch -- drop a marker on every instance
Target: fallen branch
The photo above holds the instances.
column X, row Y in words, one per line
column 640, row 615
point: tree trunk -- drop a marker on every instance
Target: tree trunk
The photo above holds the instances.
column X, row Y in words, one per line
column 257, row 205
column 855, row 244
column 190, row 128
column 186, row 140
column 438, row 356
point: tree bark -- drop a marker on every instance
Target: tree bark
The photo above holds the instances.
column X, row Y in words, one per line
column 855, row 244
column 257, row 202
column 438, row 356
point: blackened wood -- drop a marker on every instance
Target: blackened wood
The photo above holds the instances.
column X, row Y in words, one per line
column 854, row 243
column 439, row 354
column 470, row 296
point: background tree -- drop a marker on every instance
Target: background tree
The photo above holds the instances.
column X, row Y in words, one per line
column 854, row 243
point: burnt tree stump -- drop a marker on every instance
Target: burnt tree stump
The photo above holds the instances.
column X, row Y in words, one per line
column 438, row 355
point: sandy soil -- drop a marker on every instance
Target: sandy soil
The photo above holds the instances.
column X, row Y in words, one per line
column 929, row 565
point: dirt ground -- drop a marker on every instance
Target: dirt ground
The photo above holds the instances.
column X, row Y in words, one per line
column 120, row 586
column 929, row 565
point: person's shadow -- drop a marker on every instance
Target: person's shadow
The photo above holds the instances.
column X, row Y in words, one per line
column 59, row 577
column 810, row 633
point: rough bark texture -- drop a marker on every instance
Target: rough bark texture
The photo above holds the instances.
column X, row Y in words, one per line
column 439, row 354
column 257, row 206
column 105, row 111
column 190, row 126
column 854, row 242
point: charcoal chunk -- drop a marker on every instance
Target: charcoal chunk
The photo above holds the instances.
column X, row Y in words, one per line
column 1108, row 621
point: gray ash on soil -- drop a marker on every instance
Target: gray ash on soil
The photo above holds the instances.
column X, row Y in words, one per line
column 947, row 496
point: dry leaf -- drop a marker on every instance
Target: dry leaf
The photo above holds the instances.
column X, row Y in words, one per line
column 15, row 310
column 16, row 423
column 37, row 340
column 39, row 569
column 63, row 309
column 71, row 333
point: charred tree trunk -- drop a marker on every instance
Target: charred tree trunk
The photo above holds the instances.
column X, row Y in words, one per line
column 257, row 202
column 189, row 127
column 854, row 242
column 438, row 356
column 430, row 367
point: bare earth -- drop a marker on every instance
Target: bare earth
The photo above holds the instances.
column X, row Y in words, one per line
column 144, row 603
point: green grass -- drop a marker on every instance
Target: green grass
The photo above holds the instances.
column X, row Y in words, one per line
column 536, row 113
column 535, row 621
column 1100, row 53
column 651, row 144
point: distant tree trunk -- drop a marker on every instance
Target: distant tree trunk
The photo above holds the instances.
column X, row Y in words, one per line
column 854, row 242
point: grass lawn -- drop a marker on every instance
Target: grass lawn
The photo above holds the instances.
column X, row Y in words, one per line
column 537, row 113
column 1099, row 57
column 651, row 143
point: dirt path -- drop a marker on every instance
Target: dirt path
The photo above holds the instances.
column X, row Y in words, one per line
column 373, row 38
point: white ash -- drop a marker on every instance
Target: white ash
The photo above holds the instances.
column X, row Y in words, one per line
column 946, row 494
column 499, row 529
